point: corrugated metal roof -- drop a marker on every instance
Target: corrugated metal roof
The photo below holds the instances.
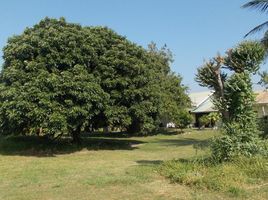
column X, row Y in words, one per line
column 205, row 107
column 202, row 101
column 198, row 98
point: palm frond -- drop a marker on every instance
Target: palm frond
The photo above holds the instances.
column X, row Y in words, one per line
column 261, row 5
column 257, row 28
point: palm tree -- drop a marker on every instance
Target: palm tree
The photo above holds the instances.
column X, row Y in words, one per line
column 261, row 5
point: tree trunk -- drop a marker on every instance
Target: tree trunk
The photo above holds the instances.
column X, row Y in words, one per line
column 39, row 131
column 220, row 91
column 106, row 129
column 76, row 136
column 135, row 127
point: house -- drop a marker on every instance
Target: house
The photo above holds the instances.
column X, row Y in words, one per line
column 202, row 105
column 261, row 106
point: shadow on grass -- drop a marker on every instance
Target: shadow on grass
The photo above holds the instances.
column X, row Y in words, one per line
column 122, row 134
column 107, row 135
column 149, row 162
column 42, row 147
column 169, row 131
column 184, row 142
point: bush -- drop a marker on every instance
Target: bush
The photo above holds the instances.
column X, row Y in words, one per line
column 237, row 141
column 226, row 147
column 204, row 120
column 210, row 119
column 184, row 119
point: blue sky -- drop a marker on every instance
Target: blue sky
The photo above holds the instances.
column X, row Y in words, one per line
column 193, row 30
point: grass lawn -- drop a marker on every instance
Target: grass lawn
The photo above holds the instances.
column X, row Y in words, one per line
column 103, row 168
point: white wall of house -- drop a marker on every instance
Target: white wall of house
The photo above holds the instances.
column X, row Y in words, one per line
column 261, row 109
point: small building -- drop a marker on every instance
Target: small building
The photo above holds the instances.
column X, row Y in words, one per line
column 202, row 104
column 261, row 106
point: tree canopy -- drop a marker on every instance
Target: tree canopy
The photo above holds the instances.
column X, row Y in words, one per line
column 61, row 78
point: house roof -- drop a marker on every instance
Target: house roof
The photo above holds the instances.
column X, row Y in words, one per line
column 202, row 101
column 205, row 107
column 198, row 98
column 262, row 97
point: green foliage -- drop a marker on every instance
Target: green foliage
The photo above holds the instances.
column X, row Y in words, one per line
column 171, row 99
column 228, row 147
column 264, row 79
column 210, row 119
column 214, row 117
column 240, row 99
column 245, row 57
column 210, row 75
column 183, row 119
column 56, row 103
column 204, row 120
column 60, row 78
column 235, row 100
column 241, row 131
column 206, row 74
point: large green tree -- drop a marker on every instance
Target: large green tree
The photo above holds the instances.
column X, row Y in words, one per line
column 46, row 86
column 61, row 78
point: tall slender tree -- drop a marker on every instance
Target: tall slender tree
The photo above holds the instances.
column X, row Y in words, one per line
column 234, row 98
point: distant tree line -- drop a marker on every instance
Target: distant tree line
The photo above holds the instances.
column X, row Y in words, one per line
column 60, row 78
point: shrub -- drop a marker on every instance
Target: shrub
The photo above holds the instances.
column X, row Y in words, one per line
column 204, row 120
column 184, row 119
column 237, row 141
